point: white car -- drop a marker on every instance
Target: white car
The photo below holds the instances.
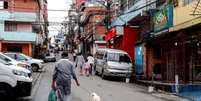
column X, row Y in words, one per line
column 15, row 62
column 36, row 64
column 14, row 81
column 50, row 57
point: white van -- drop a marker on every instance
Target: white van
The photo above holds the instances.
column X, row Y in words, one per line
column 113, row 62
column 14, row 81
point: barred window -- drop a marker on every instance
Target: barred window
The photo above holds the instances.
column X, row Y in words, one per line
column 10, row 26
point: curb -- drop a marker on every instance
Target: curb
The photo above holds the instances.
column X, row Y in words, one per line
column 35, row 79
column 35, row 87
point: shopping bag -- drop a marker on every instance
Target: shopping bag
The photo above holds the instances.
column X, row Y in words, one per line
column 52, row 96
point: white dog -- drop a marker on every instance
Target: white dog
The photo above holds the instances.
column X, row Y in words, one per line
column 95, row 97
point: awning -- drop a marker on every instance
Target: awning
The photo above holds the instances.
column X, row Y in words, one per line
column 135, row 10
column 123, row 19
column 18, row 36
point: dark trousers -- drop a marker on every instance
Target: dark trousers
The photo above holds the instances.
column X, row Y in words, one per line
column 91, row 69
column 74, row 58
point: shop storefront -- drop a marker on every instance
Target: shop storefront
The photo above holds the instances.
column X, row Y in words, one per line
column 123, row 38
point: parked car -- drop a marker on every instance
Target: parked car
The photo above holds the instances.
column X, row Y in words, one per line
column 50, row 57
column 36, row 64
column 14, row 81
column 113, row 62
column 15, row 62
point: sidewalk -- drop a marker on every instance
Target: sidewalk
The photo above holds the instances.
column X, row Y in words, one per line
column 168, row 96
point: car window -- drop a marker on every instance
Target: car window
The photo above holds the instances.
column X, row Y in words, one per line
column 4, row 62
column 124, row 58
column 99, row 55
column 25, row 56
column 11, row 55
column 20, row 57
column 113, row 57
column 4, row 58
column 48, row 54
column 117, row 57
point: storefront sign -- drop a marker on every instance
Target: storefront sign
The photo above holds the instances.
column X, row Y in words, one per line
column 163, row 19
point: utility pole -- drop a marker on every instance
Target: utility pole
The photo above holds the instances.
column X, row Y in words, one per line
column 108, row 14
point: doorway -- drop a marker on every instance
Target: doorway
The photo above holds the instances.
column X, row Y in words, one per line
column 14, row 49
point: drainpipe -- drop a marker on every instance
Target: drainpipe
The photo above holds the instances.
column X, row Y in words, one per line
column 191, row 62
column 93, row 35
column 176, row 70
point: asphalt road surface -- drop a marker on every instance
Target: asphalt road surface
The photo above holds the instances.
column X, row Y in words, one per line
column 109, row 90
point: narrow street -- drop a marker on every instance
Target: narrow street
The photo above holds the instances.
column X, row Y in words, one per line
column 108, row 90
column 154, row 43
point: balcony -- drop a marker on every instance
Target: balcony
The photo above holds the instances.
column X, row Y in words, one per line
column 18, row 36
column 18, row 16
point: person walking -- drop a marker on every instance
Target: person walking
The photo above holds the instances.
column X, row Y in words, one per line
column 86, row 68
column 74, row 54
column 62, row 75
column 79, row 61
column 90, row 59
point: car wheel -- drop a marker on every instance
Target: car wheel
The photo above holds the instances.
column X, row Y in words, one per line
column 34, row 68
column 45, row 61
column 96, row 72
column 6, row 92
column 103, row 76
column 54, row 60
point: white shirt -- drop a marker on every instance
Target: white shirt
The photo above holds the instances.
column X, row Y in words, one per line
column 90, row 59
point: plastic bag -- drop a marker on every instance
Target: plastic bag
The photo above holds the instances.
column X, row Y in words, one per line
column 52, row 96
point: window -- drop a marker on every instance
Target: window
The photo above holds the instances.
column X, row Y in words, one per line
column 124, row 5
column 118, row 57
column 157, row 69
column 20, row 57
column 99, row 55
column 10, row 26
column 186, row 2
column 157, row 51
column 11, row 56
column 124, row 58
column 131, row 3
column 4, row 58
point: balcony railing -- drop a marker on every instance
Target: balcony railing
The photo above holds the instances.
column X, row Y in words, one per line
column 18, row 36
column 18, row 16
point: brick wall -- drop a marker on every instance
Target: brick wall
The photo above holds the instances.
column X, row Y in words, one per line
column 23, row 5
column 94, row 20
